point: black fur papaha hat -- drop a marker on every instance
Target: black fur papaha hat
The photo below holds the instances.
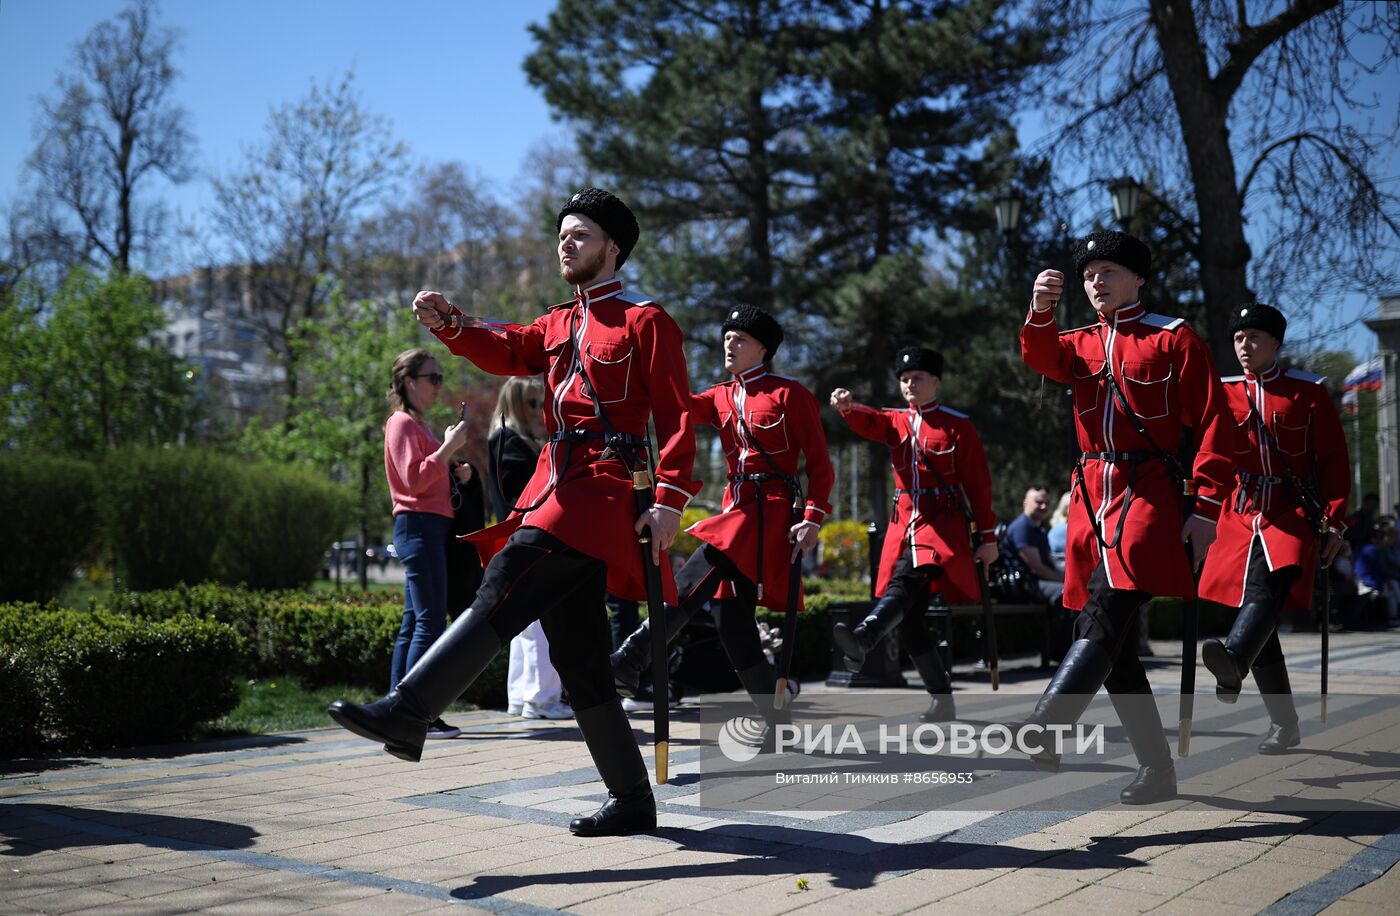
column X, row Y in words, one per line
column 608, row 211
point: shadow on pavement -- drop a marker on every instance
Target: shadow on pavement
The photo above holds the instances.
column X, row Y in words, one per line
column 219, row 745
column 1349, row 824
column 851, row 862
column 31, row 828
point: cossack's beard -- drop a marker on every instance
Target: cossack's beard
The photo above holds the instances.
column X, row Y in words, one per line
column 582, row 274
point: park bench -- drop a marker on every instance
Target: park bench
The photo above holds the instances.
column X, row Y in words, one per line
column 882, row 667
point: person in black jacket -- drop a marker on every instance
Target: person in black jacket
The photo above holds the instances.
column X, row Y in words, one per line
column 517, row 433
column 468, row 515
column 533, row 688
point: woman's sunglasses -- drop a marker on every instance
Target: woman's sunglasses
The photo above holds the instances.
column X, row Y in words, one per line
column 434, row 377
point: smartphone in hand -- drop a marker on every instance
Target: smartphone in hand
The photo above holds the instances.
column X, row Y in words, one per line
column 464, row 411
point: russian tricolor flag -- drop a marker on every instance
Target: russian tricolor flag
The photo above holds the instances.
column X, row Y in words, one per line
column 1365, row 377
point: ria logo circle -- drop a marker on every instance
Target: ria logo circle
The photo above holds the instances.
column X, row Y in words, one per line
column 740, row 737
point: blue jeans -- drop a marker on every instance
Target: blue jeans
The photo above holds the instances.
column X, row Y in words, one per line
column 420, row 539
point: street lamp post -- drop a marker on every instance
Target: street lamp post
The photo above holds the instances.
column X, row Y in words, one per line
column 1008, row 209
column 1008, row 212
column 1126, row 195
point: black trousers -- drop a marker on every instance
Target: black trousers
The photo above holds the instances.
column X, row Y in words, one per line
column 908, row 588
column 1109, row 619
column 1269, row 588
column 536, row 576
column 697, row 583
column 623, row 617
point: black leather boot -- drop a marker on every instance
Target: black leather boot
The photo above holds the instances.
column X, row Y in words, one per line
column 1272, row 681
column 633, row 656
column 858, row 641
column 401, row 719
column 1229, row 661
column 630, row 807
column 1156, row 775
column 1081, row 673
column 939, row 683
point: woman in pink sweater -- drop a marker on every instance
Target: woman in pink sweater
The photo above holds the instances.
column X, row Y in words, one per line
column 417, row 465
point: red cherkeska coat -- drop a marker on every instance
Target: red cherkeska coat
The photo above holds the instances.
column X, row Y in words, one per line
column 1169, row 379
column 780, row 416
column 1307, row 440
column 632, row 355
column 932, row 447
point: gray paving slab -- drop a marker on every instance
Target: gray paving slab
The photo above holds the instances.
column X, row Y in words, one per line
column 319, row 821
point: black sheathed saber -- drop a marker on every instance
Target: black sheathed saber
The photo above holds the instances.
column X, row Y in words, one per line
column 1323, row 570
column 656, row 611
column 989, row 625
column 989, row 628
column 794, row 591
column 1190, row 632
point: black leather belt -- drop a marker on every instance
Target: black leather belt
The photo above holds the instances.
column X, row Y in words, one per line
column 1254, row 480
column 926, row 491
column 757, row 478
column 612, row 439
column 1117, row 457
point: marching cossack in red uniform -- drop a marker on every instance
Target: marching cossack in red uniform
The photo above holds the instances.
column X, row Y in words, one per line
column 628, row 346
column 766, row 422
column 610, row 360
column 1135, row 378
column 941, row 477
column 1292, row 484
column 1122, row 493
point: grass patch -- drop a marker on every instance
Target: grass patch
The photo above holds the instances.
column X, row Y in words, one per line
column 282, row 705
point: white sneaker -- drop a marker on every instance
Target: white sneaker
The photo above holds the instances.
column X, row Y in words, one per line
column 643, row 703
column 553, row 710
column 514, row 709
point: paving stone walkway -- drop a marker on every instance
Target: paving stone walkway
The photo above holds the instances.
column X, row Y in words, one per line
column 320, row 820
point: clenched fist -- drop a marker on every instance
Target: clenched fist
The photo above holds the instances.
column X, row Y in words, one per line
column 431, row 309
column 841, row 400
column 1049, row 286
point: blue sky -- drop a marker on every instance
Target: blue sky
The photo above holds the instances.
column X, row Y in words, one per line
column 445, row 72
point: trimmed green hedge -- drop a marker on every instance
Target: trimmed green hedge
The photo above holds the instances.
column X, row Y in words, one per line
column 185, row 515
column 21, row 712
column 75, row 679
column 279, row 524
column 48, row 526
column 165, row 511
column 341, row 639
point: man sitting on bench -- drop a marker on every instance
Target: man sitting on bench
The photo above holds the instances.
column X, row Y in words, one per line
column 1028, row 546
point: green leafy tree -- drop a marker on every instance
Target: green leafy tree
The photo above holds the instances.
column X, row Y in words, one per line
column 792, row 155
column 335, row 424
column 88, row 371
column 694, row 113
